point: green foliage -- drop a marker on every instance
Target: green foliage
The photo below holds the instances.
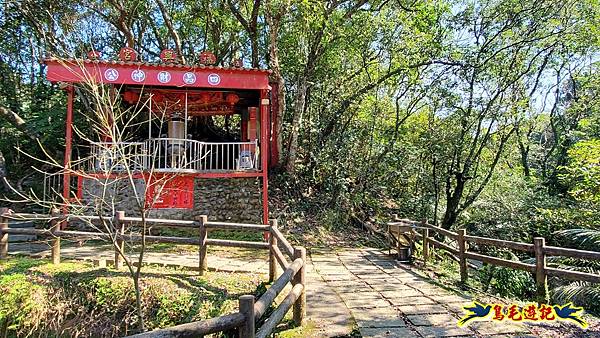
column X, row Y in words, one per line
column 22, row 303
column 510, row 283
column 40, row 298
column 582, row 174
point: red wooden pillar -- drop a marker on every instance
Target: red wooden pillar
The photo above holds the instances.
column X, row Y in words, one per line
column 68, row 148
column 264, row 151
column 244, row 129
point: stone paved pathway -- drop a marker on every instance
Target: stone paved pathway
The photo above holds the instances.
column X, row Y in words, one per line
column 387, row 299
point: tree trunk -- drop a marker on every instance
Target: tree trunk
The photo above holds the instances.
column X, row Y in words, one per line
column 254, row 44
column 453, row 198
column 299, row 103
column 18, row 122
column 274, row 22
column 171, row 28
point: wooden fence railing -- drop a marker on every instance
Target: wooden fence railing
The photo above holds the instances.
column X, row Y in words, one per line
column 459, row 248
column 280, row 250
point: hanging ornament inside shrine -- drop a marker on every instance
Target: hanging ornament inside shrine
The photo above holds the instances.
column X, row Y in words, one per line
column 93, row 55
column 127, row 54
column 207, row 58
column 168, row 56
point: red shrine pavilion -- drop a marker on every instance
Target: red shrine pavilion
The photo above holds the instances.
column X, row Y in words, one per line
column 183, row 95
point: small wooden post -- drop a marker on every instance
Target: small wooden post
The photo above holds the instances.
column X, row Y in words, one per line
column 541, row 281
column 120, row 244
column 3, row 235
column 54, row 228
column 425, row 245
column 247, row 330
column 202, row 264
column 272, row 245
column 300, row 278
column 462, row 249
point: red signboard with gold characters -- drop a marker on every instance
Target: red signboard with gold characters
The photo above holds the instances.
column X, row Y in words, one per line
column 169, row 191
column 168, row 56
column 127, row 54
column 208, row 58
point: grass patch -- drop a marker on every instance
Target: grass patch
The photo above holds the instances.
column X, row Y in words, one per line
column 75, row 298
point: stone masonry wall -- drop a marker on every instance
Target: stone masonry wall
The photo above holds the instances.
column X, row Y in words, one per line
column 231, row 200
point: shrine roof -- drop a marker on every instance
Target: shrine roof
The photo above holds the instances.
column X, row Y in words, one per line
column 155, row 74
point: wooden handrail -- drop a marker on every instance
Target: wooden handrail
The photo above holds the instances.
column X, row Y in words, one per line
column 574, row 253
column 199, row 328
column 280, row 312
column 444, row 246
column 237, row 244
column 293, row 273
column 538, row 248
column 501, row 261
column 268, row 297
column 283, row 263
column 287, row 247
column 520, row 246
column 236, row 226
column 574, row 275
column 160, row 221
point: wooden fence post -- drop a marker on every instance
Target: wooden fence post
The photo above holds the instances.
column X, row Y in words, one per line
column 3, row 235
column 247, row 330
column 541, row 281
column 425, row 245
column 119, row 244
column 54, row 228
column 462, row 249
column 272, row 246
column 202, row 264
column 300, row 278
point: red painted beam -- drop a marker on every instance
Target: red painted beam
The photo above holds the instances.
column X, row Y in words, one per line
column 166, row 75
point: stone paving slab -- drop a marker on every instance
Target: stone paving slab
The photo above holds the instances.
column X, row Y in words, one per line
column 395, row 332
column 362, row 295
column 366, row 303
column 418, row 300
column 380, row 323
column 445, row 331
column 489, row 328
column 422, row 309
column 444, row 319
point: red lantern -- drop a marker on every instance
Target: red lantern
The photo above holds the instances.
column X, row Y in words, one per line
column 127, row 54
column 207, row 58
column 131, row 97
column 168, row 55
column 232, row 99
column 93, row 55
column 205, row 97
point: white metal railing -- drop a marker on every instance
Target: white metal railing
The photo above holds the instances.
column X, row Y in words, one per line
column 53, row 186
column 175, row 155
column 118, row 156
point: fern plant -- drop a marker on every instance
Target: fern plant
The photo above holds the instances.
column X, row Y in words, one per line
column 579, row 292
